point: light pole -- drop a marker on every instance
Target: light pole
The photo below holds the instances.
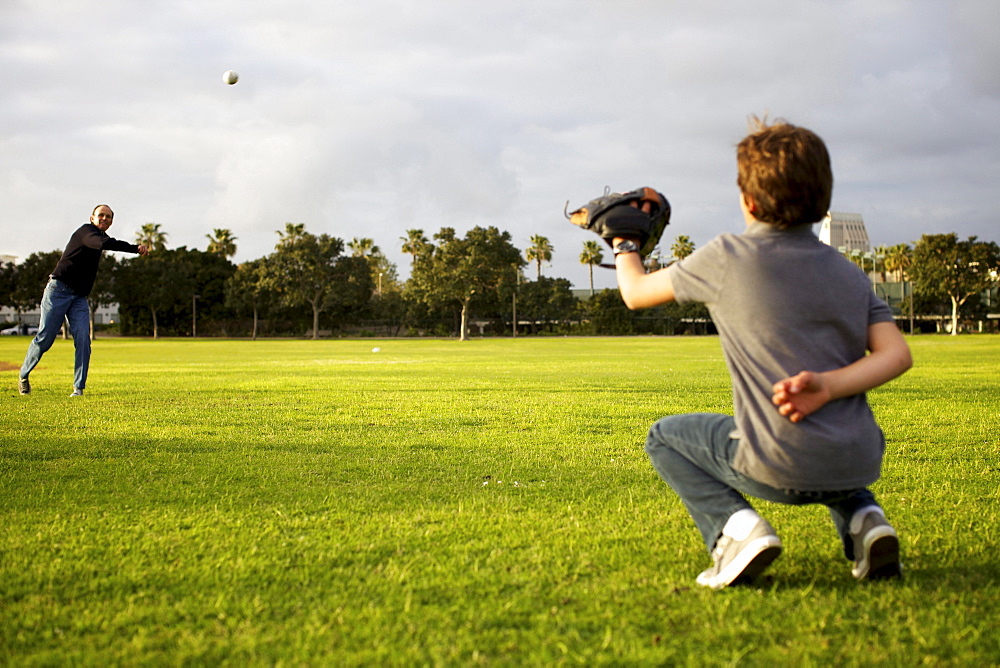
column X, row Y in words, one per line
column 513, row 307
column 859, row 257
column 194, row 315
column 909, row 285
column 862, row 256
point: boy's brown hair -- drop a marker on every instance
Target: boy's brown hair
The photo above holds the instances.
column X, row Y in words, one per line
column 786, row 171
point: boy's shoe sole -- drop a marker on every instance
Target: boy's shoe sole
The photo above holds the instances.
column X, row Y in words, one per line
column 23, row 386
column 876, row 550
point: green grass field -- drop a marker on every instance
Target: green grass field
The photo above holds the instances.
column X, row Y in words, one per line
column 444, row 503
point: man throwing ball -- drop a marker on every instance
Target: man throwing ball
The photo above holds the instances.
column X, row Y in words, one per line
column 66, row 294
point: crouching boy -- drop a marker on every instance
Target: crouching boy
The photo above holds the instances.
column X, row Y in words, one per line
column 804, row 338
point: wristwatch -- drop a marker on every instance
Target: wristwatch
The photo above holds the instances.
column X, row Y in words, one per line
column 626, row 246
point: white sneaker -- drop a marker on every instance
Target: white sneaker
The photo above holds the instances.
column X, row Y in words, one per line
column 77, row 393
column 740, row 560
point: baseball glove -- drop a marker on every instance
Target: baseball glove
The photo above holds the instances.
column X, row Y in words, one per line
column 621, row 215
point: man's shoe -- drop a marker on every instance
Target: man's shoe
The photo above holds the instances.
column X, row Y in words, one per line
column 23, row 386
column 876, row 546
column 739, row 561
column 77, row 393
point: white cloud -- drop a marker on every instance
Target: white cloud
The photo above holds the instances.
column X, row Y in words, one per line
column 368, row 119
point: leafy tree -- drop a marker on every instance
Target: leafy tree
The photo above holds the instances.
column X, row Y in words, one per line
column 383, row 272
column 385, row 278
column 674, row 318
column 209, row 274
column 103, row 292
column 539, row 251
column 592, row 255
column 166, row 284
column 8, row 275
column 151, row 235
column 248, row 288
column 222, row 242
column 354, row 289
column 682, row 247
column 304, row 270
column 608, row 315
column 546, row 300
column 30, row 278
column 461, row 273
column 943, row 266
column 387, row 307
column 154, row 283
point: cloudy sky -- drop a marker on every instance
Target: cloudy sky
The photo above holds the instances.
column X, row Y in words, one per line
column 369, row 118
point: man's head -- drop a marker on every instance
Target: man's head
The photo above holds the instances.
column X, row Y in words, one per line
column 784, row 174
column 102, row 216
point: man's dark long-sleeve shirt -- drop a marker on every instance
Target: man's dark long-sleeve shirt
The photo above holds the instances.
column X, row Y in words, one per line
column 77, row 267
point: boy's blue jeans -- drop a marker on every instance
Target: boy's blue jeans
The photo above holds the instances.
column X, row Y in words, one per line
column 693, row 454
column 59, row 302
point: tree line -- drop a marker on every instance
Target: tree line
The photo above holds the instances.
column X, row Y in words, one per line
column 318, row 285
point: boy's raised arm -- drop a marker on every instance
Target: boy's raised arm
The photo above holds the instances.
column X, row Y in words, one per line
column 639, row 289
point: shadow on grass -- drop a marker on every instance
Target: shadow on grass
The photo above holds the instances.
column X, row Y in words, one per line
column 958, row 573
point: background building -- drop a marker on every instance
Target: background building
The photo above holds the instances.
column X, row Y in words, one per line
column 845, row 231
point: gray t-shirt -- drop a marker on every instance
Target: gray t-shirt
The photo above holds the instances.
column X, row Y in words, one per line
column 785, row 302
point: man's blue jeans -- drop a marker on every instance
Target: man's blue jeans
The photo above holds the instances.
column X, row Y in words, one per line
column 59, row 302
column 694, row 453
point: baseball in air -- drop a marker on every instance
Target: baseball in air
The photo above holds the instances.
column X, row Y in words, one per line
column 230, row 77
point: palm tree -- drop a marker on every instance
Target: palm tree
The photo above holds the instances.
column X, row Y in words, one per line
column 682, row 247
column 590, row 256
column 540, row 251
column 293, row 232
column 898, row 260
column 363, row 247
column 415, row 243
column 222, row 242
column 878, row 262
column 152, row 236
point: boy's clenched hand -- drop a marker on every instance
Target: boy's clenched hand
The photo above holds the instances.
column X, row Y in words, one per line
column 800, row 395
